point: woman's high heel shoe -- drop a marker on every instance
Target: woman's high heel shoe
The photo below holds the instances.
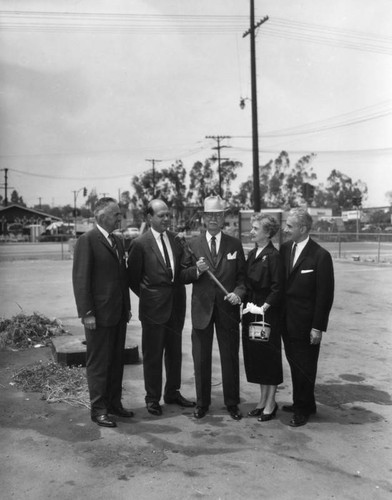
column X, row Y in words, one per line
column 256, row 412
column 264, row 417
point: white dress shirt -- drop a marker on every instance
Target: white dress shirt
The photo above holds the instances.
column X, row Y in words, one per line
column 300, row 246
column 105, row 233
column 218, row 238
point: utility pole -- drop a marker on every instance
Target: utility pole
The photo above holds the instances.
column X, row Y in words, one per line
column 218, row 147
column 5, row 187
column 75, row 193
column 255, row 133
column 153, row 174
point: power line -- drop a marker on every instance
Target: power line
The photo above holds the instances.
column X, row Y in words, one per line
column 134, row 24
column 60, row 177
column 362, row 115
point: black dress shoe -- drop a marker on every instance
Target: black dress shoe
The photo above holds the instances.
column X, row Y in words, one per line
column 104, row 421
column 256, row 412
column 298, row 420
column 180, row 401
column 200, row 411
column 154, row 408
column 264, row 417
column 234, row 412
column 121, row 412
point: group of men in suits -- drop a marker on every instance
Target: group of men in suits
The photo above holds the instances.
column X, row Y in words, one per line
column 158, row 267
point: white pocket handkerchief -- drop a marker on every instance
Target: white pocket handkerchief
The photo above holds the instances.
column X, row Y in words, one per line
column 232, row 256
column 306, row 271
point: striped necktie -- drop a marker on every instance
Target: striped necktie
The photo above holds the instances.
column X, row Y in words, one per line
column 114, row 244
column 213, row 249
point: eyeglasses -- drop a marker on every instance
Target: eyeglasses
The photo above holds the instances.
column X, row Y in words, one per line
column 211, row 215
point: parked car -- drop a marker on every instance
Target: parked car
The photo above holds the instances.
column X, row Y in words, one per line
column 127, row 235
column 131, row 232
column 370, row 228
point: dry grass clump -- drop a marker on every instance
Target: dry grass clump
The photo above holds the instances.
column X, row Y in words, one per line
column 23, row 331
column 58, row 383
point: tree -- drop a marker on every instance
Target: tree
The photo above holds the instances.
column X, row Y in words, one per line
column 144, row 189
column 16, row 199
column 339, row 192
column 169, row 186
column 380, row 217
column 388, row 196
column 92, row 199
column 125, row 200
column 280, row 183
column 204, row 180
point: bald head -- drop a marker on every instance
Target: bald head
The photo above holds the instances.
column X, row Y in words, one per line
column 158, row 215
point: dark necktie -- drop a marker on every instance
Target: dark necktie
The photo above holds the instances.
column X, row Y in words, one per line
column 167, row 260
column 213, row 249
column 292, row 255
column 114, row 244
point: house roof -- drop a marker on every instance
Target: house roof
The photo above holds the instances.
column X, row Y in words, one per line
column 30, row 211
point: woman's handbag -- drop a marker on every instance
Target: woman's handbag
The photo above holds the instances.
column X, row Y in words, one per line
column 259, row 330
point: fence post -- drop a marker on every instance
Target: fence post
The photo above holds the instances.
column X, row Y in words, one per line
column 379, row 249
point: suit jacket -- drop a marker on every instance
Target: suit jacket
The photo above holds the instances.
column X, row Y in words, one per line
column 99, row 279
column 309, row 289
column 149, row 279
column 229, row 270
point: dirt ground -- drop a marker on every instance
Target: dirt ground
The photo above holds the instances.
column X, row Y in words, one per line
column 55, row 451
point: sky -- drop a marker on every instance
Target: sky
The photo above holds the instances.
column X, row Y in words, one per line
column 93, row 89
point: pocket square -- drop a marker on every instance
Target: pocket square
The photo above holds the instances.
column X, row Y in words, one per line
column 306, row 271
column 232, row 256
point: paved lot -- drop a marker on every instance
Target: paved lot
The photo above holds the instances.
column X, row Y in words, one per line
column 343, row 453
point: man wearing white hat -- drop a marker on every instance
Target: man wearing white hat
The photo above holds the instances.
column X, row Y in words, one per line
column 221, row 255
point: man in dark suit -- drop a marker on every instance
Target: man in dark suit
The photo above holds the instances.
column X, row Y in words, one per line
column 223, row 256
column 308, row 298
column 102, row 299
column 153, row 270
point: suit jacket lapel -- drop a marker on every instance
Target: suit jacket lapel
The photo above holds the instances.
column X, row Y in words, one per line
column 105, row 243
column 154, row 247
column 302, row 256
column 266, row 250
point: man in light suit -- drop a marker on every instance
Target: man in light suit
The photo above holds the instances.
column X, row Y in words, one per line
column 153, row 271
column 223, row 256
column 102, row 299
column 308, row 298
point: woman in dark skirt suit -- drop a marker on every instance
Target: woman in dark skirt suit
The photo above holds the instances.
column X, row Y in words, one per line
column 264, row 278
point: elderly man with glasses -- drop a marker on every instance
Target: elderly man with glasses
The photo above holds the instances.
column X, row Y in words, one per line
column 215, row 262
